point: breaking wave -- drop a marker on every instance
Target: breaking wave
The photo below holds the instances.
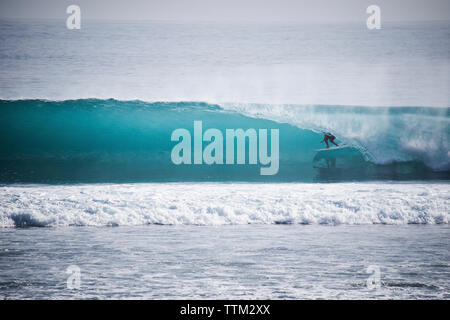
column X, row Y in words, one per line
column 92, row 141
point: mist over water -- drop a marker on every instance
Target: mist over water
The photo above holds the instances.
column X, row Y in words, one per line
column 335, row 64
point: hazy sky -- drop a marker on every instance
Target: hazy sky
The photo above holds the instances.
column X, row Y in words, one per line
column 230, row 10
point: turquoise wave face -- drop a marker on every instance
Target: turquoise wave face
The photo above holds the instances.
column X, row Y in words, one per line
column 90, row 141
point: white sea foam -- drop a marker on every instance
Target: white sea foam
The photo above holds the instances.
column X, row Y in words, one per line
column 222, row 204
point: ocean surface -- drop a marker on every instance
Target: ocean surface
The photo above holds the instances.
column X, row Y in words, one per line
column 87, row 182
column 226, row 262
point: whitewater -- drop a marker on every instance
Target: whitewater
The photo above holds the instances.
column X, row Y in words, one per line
column 209, row 204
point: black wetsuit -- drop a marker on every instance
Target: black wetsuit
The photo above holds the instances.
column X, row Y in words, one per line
column 330, row 137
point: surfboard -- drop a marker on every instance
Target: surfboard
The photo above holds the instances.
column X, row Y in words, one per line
column 332, row 148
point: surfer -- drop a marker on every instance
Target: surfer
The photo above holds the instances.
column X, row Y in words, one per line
column 329, row 137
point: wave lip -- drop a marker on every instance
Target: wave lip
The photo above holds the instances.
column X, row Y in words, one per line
column 223, row 204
